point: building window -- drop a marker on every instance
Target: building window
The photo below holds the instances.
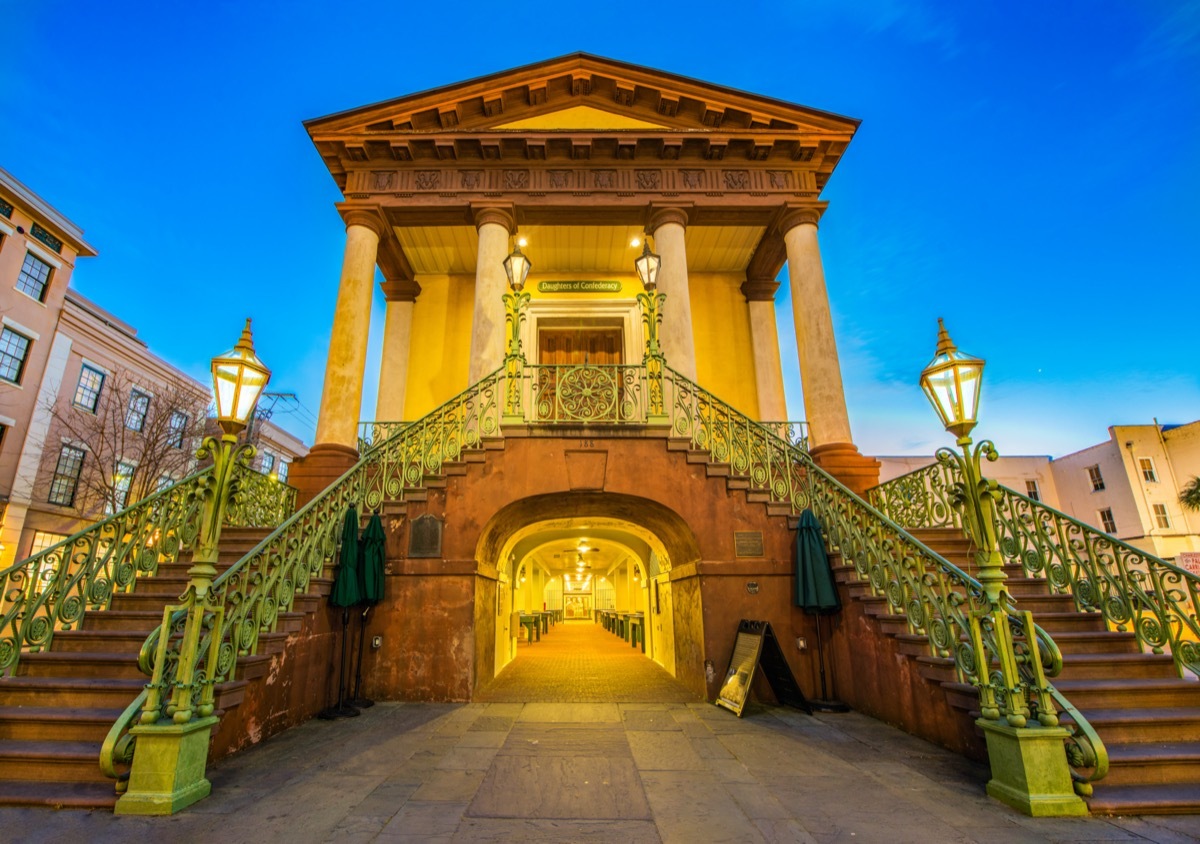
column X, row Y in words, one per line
column 122, row 480
column 14, row 349
column 66, row 476
column 135, row 414
column 1031, row 489
column 43, row 540
column 1107, row 521
column 1096, row 478
column 34, row 277
column 268, row 462
column 1160, row 516
column 178, row 424
column 87, row 391
column 165, row 481
column 1147, row 467
column 6, row 209
column 39, row 233
column 282, row 471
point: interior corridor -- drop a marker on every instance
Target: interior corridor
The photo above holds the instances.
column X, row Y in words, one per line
column 579, row 661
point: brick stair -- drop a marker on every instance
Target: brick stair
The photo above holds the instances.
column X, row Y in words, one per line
column 1147, row 716
column 57, row 709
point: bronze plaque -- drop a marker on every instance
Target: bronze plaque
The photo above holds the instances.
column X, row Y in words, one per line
column 748, row 543
column 425, row 536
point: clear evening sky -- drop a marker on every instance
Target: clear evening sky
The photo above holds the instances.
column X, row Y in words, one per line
column 1029, row 171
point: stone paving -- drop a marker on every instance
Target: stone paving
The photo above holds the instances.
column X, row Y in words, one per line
column 593, row 771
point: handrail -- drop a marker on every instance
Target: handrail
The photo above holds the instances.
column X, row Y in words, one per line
column 937, row 599
column 1130, row 588
column 52, row 589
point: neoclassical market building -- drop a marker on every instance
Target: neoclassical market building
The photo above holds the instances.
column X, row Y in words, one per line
column 578, row 160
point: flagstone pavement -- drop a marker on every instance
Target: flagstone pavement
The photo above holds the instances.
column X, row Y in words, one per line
column 679, row 770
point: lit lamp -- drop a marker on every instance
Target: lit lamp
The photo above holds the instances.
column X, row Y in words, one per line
column 175, row 751
column 516, row 267
column 951, row 382
column 647, row 266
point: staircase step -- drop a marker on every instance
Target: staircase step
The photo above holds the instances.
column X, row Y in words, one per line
column 1142, row 725
column 1158, row 799
column 46, row 723
column 51, row 761
column 679, row 444
column 1113, row 666
column 58, row 795
column 125, row 620
column 1038, row 604
column 81, row 665
column 1155, row 762
column 1087, row 695
column 1053, row 622
column 93, row 641
column 87, row 693
column 1102, row 641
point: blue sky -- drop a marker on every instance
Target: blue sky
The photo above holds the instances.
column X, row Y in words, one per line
column 1030, row 172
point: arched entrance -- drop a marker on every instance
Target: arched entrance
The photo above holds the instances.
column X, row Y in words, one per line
column 578, row 556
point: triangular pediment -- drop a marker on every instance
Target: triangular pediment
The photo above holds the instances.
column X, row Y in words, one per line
column 581, row 118
column 570, row 92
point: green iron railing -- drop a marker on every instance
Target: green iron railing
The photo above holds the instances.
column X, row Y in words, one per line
column 937, row 599
column 51, row 590
column 371, row 434
column 250, row 595
column 1131, row 589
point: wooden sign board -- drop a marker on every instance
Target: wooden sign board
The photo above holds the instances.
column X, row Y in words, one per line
column 757, row 645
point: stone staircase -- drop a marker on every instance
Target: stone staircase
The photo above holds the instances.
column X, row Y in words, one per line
column 1148, row 718
column 57, row 709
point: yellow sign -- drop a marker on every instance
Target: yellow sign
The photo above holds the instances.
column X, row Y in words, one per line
column 579, row 287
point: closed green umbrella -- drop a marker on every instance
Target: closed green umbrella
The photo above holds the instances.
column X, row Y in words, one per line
column 816, row 593
column 370, row 581
column 345, row 594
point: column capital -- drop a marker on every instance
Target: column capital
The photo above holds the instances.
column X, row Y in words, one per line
column 799, row 216
column 400, row 290
column 759, row 289
column 369, row 218
column 661, row 215
column 501, row 215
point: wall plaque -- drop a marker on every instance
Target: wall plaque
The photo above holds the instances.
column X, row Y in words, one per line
column 748, row 543
column 579, row 287
column 425, row 536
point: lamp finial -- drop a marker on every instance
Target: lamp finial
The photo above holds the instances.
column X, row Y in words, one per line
column 944, row 344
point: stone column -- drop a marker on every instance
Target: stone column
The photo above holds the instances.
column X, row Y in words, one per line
column 764, row 341
column 667, row 226
column 495, row 226
column 397, row 333
column 341, row 399
column 820, row 372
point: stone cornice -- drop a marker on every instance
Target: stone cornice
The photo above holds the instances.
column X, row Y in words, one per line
column 497, row 214
column 368, row 217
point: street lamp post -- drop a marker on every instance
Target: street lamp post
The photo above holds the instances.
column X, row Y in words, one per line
column 647, row 265
column 516, row 267
column 169, row 759
column 1029, row 764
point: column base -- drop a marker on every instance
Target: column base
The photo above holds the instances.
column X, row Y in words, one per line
column 843, row 461
column 325, row 463
column 1030, row 770
column 168, row 768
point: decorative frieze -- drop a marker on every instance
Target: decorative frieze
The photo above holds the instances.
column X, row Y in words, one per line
column 39, row 233
column 6, row 209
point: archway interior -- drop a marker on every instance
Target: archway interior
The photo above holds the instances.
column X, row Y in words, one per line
column 576, row 566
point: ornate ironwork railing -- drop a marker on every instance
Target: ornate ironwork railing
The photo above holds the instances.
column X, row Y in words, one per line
column 371, row 434
column 1131, row 589
column 250, row 595
column 795, row 433
column 937, row 599
column 51, row 590
column 591, row 394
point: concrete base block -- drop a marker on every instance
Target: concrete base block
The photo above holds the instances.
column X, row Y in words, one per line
column 1030, row 770
column 168, row 768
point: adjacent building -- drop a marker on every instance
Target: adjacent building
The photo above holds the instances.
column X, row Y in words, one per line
column 90, row 418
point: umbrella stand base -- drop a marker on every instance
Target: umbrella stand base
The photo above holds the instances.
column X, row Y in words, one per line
column 335, row 712
column 829, row 706
column 361, row 702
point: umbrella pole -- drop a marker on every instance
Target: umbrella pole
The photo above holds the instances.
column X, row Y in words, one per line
column 358, row 700
column 825, row 704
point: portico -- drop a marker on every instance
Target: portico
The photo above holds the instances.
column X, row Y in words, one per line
column 579, row 157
